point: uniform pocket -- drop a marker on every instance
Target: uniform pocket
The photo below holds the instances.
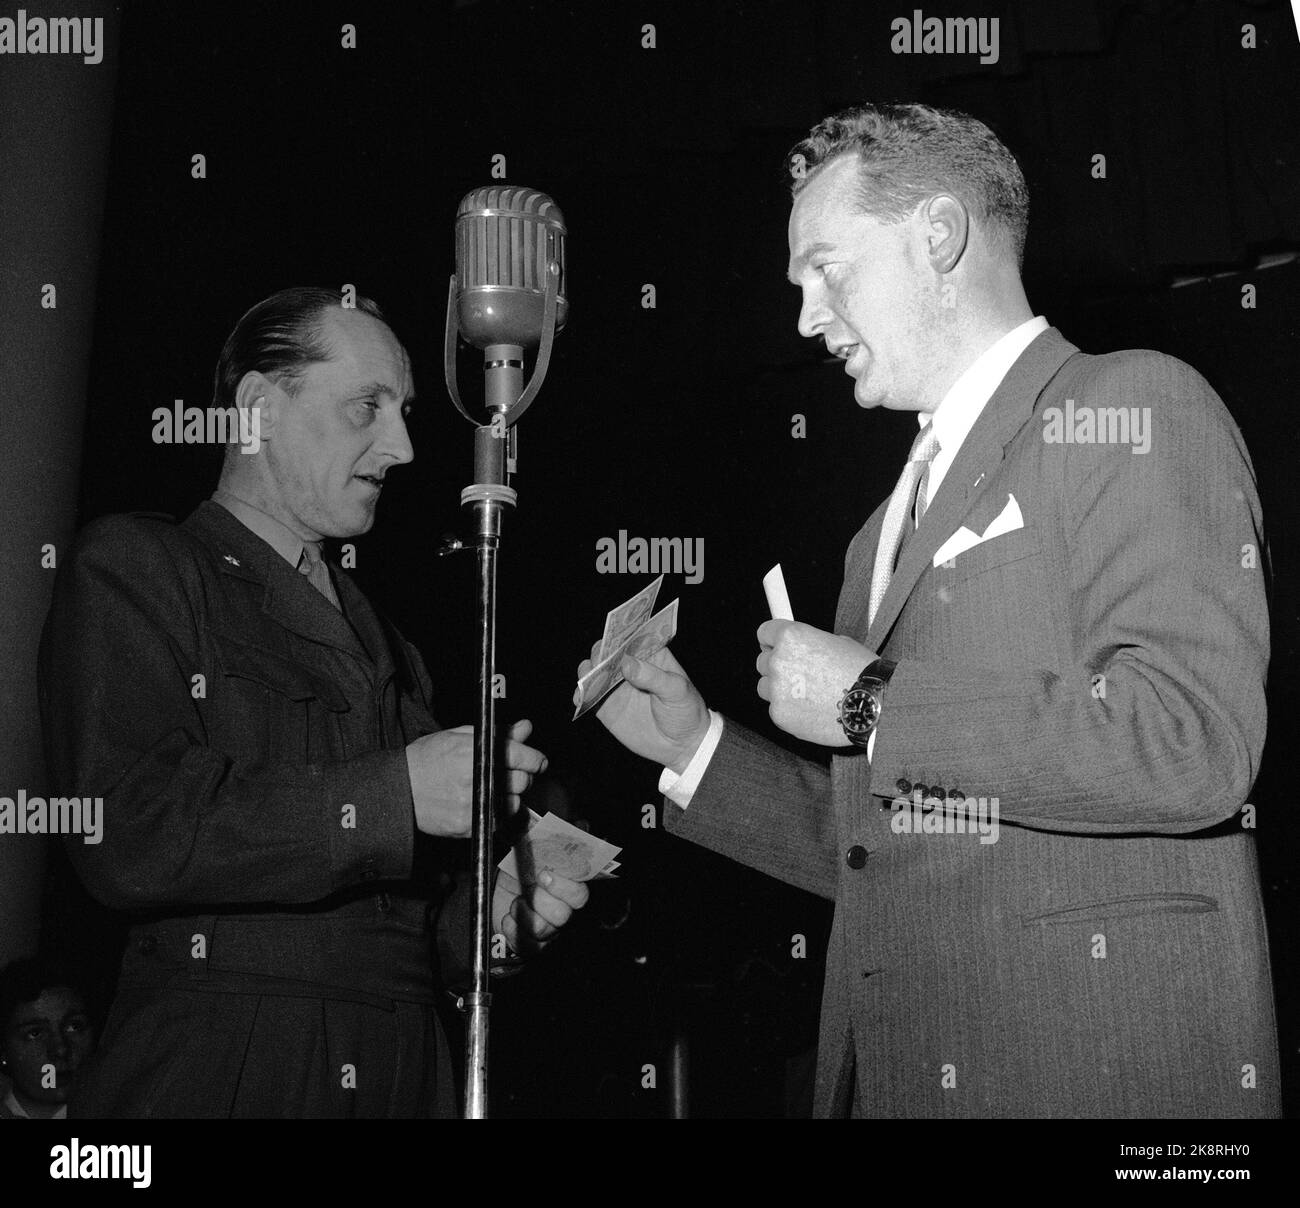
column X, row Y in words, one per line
column 292, row 680
column 276, row 710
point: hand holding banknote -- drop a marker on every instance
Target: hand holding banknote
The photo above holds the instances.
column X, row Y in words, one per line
column 656, row 711
column 540, row 880
column 530, row 915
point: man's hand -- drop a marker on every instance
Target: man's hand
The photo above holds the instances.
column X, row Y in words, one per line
column 656, row 713
column 441, row 767
column 804, row 673
column 530, row 917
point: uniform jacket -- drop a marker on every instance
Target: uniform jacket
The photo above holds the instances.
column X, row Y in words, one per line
column 1098, row 670
column 248, row 742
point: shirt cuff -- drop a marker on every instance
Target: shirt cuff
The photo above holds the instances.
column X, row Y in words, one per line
column 680, row 789
column 871, row 746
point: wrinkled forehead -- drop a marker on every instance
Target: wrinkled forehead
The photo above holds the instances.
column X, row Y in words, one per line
column 364, row 348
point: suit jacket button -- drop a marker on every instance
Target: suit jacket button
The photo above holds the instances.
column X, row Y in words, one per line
column 956, row 795
column 147, row 945
column 857, row 856
column 904, row 786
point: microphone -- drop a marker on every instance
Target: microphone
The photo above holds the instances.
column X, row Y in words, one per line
column 505, row 241
column 509, row 292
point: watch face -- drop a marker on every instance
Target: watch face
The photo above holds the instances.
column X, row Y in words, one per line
column 860, row 711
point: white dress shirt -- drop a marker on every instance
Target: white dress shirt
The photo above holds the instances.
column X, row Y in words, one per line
column 953, row 419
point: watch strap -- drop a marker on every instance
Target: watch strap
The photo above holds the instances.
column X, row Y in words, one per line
column 879, row 668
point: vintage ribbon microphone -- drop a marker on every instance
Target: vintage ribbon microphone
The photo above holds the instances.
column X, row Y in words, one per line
column 508, row 294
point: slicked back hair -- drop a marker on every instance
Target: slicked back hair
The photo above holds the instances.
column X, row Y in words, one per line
column 909, row 152
column 280, row 337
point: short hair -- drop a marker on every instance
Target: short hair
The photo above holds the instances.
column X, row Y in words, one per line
column 280, row 337
column 908, row 152
column 26, row 979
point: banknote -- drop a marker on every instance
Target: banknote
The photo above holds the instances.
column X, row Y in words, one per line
column 622, row 622
column 550, row 844
column 606, row 675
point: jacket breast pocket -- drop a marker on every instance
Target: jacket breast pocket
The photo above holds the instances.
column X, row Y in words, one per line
column 991, row 554
column 275, row 710
column 993, row 600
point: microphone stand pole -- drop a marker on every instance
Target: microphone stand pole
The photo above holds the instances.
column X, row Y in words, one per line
column 489, row 495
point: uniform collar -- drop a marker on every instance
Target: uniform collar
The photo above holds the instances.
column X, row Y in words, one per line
column 275, row 533
column 245, row 553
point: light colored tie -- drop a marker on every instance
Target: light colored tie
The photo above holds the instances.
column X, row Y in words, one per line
column 898, row 513
column 313, row 566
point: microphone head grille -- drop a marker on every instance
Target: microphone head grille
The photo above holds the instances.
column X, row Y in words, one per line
column 511, row 197
column 506, row 236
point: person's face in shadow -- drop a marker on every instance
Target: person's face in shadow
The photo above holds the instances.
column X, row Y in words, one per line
column 44, row 1045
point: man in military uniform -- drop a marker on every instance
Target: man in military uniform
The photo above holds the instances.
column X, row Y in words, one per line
column 281, row 810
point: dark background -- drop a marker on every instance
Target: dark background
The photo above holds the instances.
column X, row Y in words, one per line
column 331, row 166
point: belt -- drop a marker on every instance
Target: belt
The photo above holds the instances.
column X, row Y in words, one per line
column 363, row 957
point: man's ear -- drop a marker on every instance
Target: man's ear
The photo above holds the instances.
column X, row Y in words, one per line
column 946, row 227
column 260, row 393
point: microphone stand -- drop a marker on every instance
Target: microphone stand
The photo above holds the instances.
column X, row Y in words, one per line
column 489, row 495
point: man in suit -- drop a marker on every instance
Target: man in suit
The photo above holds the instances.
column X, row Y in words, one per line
column 1044, row 692
column 282, row 814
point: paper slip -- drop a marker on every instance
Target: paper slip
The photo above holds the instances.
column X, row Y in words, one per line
column 778, row 599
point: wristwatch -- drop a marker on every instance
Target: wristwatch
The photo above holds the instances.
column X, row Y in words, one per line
column 860, row 704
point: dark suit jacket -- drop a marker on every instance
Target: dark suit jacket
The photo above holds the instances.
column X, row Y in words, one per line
column 248, row 742
column 1107, row 955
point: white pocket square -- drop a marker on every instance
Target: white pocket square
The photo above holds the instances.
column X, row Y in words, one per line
column 1006, row 521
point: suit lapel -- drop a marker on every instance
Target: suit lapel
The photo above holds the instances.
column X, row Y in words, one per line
column 289, row 599
column 1006, row 412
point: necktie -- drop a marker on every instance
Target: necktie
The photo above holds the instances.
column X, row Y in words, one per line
column 924, row 447
column 313, row 566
